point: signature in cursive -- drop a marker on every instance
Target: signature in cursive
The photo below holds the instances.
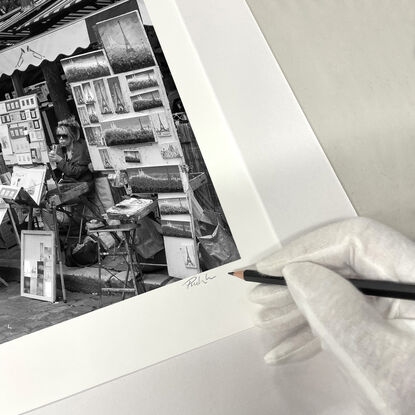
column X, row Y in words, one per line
column 198, row 280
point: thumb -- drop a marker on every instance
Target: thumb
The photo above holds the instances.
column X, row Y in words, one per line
column 376, row 357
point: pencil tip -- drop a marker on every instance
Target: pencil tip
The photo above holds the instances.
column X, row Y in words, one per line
column 231, row 273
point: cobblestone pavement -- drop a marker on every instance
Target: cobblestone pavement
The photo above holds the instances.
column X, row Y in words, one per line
column 22, row 315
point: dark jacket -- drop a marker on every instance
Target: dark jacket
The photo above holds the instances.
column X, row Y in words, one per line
column 77, row 167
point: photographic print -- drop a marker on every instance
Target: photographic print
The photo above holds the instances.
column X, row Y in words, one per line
column 33, row 114
column 88, row 66
column 176, row 228
column 160, row 179
column 92, row 115
column 36, row 124
column 78, row 95
column 136, row 130
column 161, row 125
column 23, row 115
column 117, row 96
column 105, row 157
column 93, row 136
column 132, row 156
column 142, row 80
column 125, row 43
column 146, row 101
column 102, row 96
column 88, row 95
column 170, row 150
column 174, row 206
column 83, row 116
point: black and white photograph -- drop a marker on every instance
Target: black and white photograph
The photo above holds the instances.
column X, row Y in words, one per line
column 102, row 97
column 175, row 228
column 142, row 80
column 93, row 136
column 117, row 95
column 132, row 156
column 174, row 206
column 146, row 101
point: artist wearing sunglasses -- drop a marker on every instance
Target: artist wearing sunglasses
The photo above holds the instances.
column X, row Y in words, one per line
column 71, row 156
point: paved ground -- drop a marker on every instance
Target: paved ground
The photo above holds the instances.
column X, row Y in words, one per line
column 22, row 315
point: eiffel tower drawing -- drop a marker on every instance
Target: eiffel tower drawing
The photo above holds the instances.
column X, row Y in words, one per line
column 189, row 263
column 162, row 129
column 119, row 105
column 105, row 109
column 128, row 47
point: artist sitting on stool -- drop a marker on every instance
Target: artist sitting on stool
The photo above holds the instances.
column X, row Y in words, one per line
column 72, row 156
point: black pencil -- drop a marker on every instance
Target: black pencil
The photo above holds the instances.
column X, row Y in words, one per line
column 376, row 288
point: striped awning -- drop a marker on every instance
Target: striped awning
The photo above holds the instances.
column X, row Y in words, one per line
column 46, row 46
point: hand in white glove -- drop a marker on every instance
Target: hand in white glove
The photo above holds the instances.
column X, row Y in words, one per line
column 376, row 354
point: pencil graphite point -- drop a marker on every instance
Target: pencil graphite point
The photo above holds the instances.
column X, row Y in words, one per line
column 238, row 274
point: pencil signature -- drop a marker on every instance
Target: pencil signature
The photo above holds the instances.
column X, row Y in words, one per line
column 198, row 280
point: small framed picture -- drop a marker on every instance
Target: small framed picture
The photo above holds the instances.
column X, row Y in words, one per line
column 23, row 115
column 38, row 278
column 36, row 124
column 33, row 114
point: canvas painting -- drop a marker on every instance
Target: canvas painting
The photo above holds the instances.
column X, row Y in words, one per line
column 78, row 95
column 87, row 66
column 132, row 156
column 170, row 150
column 136, row 130
column 83, row 115
column 178, row 229
column 88, row 95
column 93, row 136
column 146, row 101
column 125, row 43
column 105, row 157
column 142, row 80
column 188, row 255
column 161, row 125
column 174, row 206
column 6, row 145
column 160, row 179
column 92, row 114
column 102, row 97
column 117, row 95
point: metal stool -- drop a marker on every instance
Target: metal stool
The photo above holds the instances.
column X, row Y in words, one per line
column 127, row 250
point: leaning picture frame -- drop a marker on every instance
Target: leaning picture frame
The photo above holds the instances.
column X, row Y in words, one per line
column 38, row 265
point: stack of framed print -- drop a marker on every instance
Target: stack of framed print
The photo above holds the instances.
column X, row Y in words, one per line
column 127, row 123
column 22, row 139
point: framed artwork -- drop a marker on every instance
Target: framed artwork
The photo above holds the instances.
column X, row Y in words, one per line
column 176, row 228
column 125, row 42
column 83, row 115
column 37, row 278
column 188, row 255
column 136, row 130
column 87, row 93
column 117, row 95
column 87, row 66
column 105, row 157
column 92, row 115
column 33, row 114
column 78, row 95
column 170, row 150
column 159, row 179
column 23, row 115
column 146, row 101
column 93, row 136
column 102, row 96
column 142, row 80
column 161, row 125
column 36, row 124
column 132, row 156
column 174, row 206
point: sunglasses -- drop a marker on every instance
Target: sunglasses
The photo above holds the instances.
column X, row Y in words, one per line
column 61, row 135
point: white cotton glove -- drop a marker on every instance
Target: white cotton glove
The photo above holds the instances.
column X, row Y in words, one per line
column 375, row 353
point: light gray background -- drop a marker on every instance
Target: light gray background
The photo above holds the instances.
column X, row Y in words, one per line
column 351, row 65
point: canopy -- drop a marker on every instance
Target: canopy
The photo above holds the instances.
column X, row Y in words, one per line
column 47, row 46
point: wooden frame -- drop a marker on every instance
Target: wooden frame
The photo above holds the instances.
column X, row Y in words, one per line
column 38, row 265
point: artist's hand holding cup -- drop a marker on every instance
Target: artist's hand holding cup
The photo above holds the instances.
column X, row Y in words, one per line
column 53, row 156
column 372, row 338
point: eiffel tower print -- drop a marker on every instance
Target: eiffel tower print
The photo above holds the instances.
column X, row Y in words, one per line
column 162, row 129
column 119, row 105
column 105, row 109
